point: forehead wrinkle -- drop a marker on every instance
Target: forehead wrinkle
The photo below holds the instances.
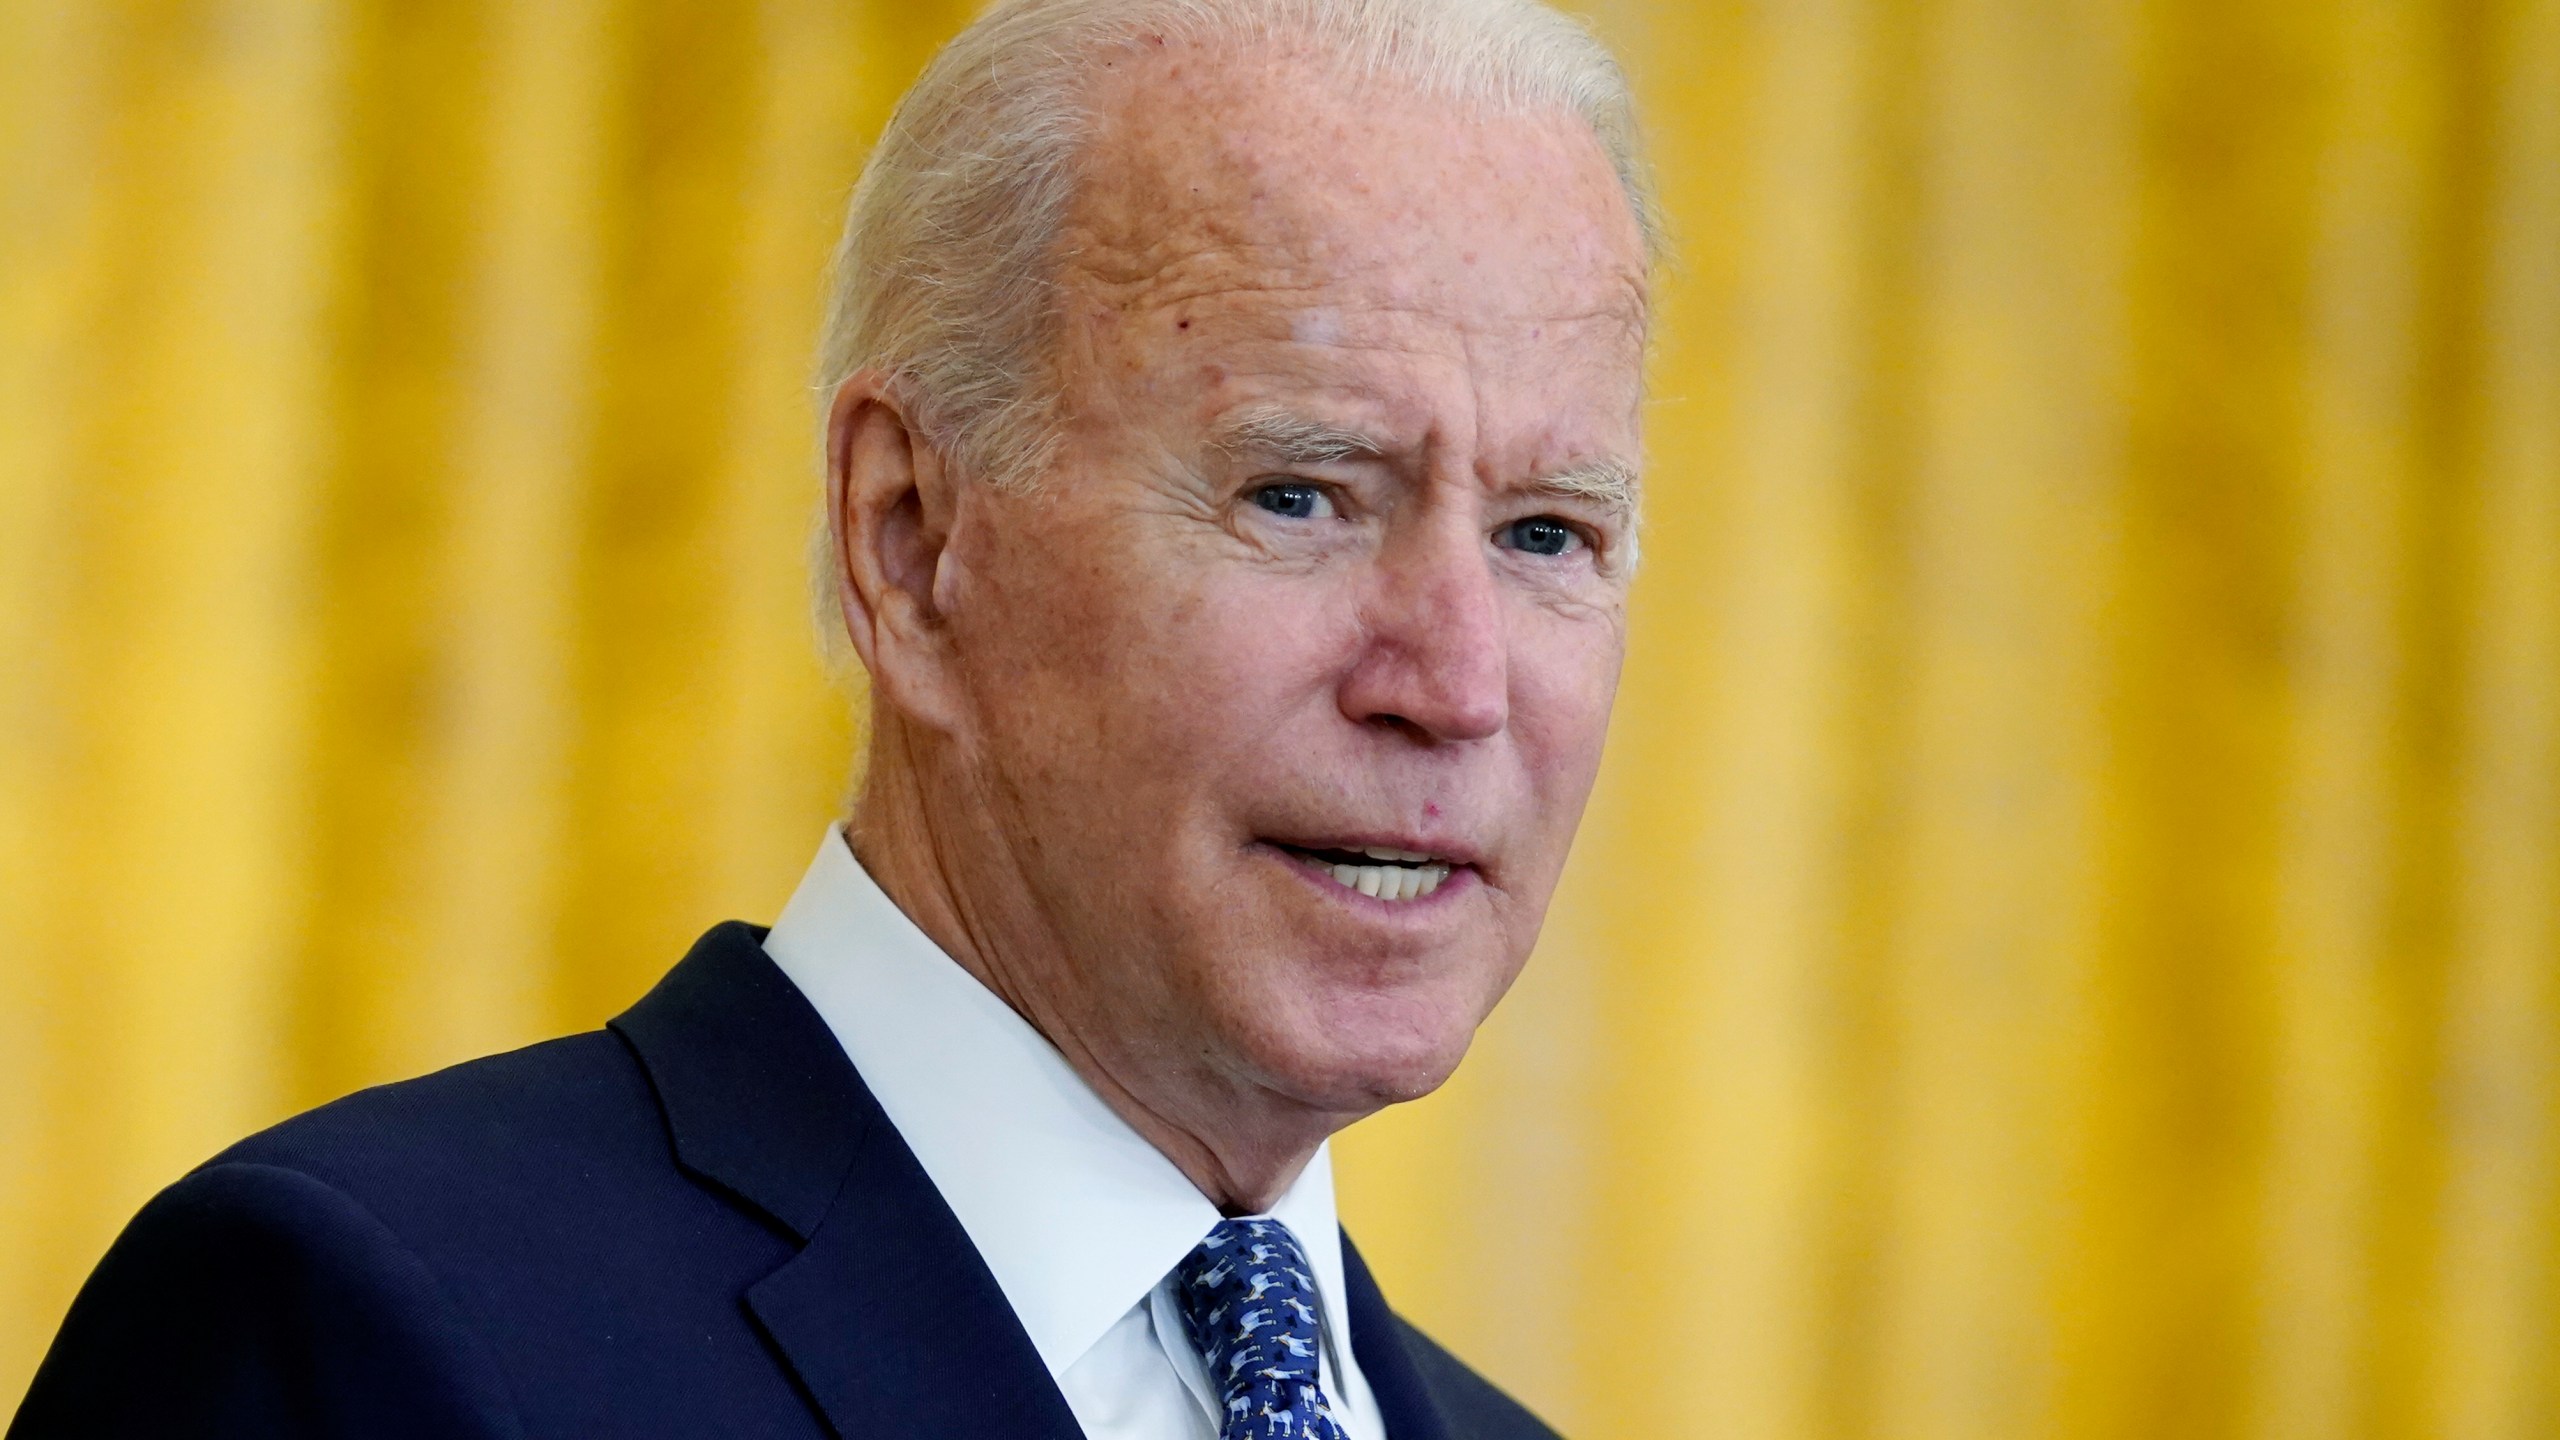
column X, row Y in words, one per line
column 1158, row 250
column 1167, row 255
column 1285, row 281
column 1168, row 269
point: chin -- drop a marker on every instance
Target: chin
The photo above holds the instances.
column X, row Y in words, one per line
column 1364, row 1054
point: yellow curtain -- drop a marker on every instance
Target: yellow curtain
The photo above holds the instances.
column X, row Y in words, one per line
column 2068, row 943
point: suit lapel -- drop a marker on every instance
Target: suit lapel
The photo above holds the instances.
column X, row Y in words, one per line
column 1377, row 1338
column 887, row 1314
column 894, row 1323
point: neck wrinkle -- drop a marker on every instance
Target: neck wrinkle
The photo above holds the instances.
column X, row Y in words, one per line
column 894, row 836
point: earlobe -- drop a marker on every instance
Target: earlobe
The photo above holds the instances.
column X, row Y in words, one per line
column 890, row 522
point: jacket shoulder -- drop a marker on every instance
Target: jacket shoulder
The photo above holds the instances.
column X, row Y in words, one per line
column 261, row 1301
column 543, row 1172
column 576, row 1092
column 1473, row 1406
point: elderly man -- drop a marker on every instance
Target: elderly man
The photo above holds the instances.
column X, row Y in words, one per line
column 1230, row 464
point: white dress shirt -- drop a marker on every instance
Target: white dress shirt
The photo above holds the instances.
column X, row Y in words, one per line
column 1078, row 1217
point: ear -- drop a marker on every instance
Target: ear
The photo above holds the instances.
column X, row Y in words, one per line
column 890, row 499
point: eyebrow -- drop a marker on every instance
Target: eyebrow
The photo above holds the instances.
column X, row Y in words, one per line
column 1610, row 483
column 1285, row 437
column 1289, row 438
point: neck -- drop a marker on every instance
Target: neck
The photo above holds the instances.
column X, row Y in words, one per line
column 952, row 873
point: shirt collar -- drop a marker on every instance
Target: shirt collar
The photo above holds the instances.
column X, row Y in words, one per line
column 1077, row 1215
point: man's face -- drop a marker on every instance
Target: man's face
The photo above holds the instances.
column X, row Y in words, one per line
column 1326, row 567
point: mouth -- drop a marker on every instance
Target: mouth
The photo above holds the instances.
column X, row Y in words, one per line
column 1380, row 872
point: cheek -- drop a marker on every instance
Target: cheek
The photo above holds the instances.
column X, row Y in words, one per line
column 1241, row 621
column 1235, row 659
column 1564, row 681
column 1153, row 668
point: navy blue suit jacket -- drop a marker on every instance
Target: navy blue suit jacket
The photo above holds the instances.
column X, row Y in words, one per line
column 695, row 1222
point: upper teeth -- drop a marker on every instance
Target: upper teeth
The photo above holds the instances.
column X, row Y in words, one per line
column 1405, row 879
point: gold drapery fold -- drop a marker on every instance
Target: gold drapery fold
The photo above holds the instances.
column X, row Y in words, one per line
column 2068, row 941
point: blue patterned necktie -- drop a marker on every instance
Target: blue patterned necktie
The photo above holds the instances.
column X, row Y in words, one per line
column 1250, row 1306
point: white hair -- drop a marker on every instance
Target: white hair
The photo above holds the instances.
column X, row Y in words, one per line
column 944, row 279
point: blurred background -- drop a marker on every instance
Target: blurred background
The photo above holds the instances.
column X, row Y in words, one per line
column 2068, row 941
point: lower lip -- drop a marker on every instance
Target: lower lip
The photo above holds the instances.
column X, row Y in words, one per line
column 1321, row 876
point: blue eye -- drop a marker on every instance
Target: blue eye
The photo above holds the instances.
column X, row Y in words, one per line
column 1295, row 500
column 1539, row 535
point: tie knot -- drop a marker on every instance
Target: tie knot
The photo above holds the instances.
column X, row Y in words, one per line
column 1249, row 1303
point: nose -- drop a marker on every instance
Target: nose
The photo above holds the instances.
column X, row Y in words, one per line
column 1435, row 660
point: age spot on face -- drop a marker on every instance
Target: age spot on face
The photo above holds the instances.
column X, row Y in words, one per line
column 1316, row 327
